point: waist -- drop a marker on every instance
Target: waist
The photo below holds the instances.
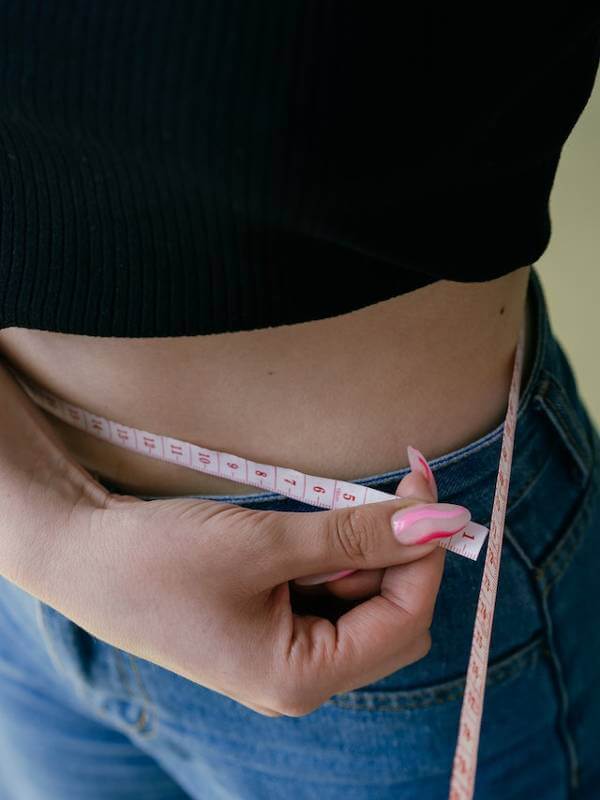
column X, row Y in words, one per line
column 340, row 397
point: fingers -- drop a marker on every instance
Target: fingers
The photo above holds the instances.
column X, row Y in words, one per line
column 418, row 483
column 426, row 485
column 416, row 486
column 362, row 583
column 348, row 538
column 359, row 538
column 373, row 639
column 389, row 631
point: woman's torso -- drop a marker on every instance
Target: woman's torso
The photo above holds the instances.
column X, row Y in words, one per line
column 340, row 397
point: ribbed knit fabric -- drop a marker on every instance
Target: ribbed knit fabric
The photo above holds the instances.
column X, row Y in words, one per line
column 177, row 168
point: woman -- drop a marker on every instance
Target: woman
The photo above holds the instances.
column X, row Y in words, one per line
column 266, row 230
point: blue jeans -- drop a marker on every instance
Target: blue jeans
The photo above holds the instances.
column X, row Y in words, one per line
column 80, row 719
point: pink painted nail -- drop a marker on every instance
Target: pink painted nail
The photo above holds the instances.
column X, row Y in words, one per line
column 418, row 463
column 310, row 580
column 426, row 521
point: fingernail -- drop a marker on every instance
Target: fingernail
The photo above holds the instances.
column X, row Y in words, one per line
column 426, row 521
column 310, row 580
column 418, row 463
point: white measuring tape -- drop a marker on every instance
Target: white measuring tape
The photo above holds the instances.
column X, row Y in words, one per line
column 311, row 489
column 331, row 493
column 462, row 782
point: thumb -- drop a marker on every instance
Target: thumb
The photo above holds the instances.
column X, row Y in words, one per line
column 419, row 483
column 385, row 633
column 369, row 536
column 391, row 630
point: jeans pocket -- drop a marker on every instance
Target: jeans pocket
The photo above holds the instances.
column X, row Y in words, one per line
column 558, row 409
column 501, row 670
column 407, row 739
column 560, row 459
column 105, row 679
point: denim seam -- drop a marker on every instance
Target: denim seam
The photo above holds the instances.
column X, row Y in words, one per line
column 51, row 650
column 144, row 723
column 558, row 561
column 506, row 669
column 563, row 703
column 566, row 422
column 571, row 757
column 525, row 490
column 63, row 669
column 538, row 399
column 536, row 477
column 512, row 541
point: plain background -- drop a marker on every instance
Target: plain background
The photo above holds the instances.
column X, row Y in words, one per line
column 570, row 268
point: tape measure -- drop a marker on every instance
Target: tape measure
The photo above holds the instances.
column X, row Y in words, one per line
column 311, row 489
column 462, row 781
column 331, row 493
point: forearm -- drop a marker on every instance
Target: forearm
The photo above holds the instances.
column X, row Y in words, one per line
column 43, row 490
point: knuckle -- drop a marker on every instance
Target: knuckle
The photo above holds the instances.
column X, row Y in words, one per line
column 355, row 534
column 292, row 702
column 425, row 644
column 419, row 649
column 266, row 712
column 422, row 617
column 299, row 709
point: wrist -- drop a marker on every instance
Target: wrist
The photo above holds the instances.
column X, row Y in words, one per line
column 44, row 492
column 43, row 511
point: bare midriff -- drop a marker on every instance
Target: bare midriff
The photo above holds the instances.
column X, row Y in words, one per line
column 340, row 397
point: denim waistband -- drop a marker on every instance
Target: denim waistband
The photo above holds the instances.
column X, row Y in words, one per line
column 481, row 453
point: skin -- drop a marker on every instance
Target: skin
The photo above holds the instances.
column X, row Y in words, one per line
column 357, row 388
column 367, row 583
column 205, row 589
column 341, row 397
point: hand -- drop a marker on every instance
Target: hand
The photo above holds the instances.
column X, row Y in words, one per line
column 201, row 588
column 419, row 483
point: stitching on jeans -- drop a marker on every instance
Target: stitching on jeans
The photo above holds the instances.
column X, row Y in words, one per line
column 118, row 662
column 504, row 670
column 145, row 715
column 555, row 565
column 566, row 421
column 146, row 702
column 563, row 697
column 52, row 652
column 573, row 423
column 512, row 541
column 539, row 403
column 62, row 669
column 535, row 478
column 557, row 561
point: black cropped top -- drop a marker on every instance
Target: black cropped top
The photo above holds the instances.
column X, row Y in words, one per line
column 200, row 166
